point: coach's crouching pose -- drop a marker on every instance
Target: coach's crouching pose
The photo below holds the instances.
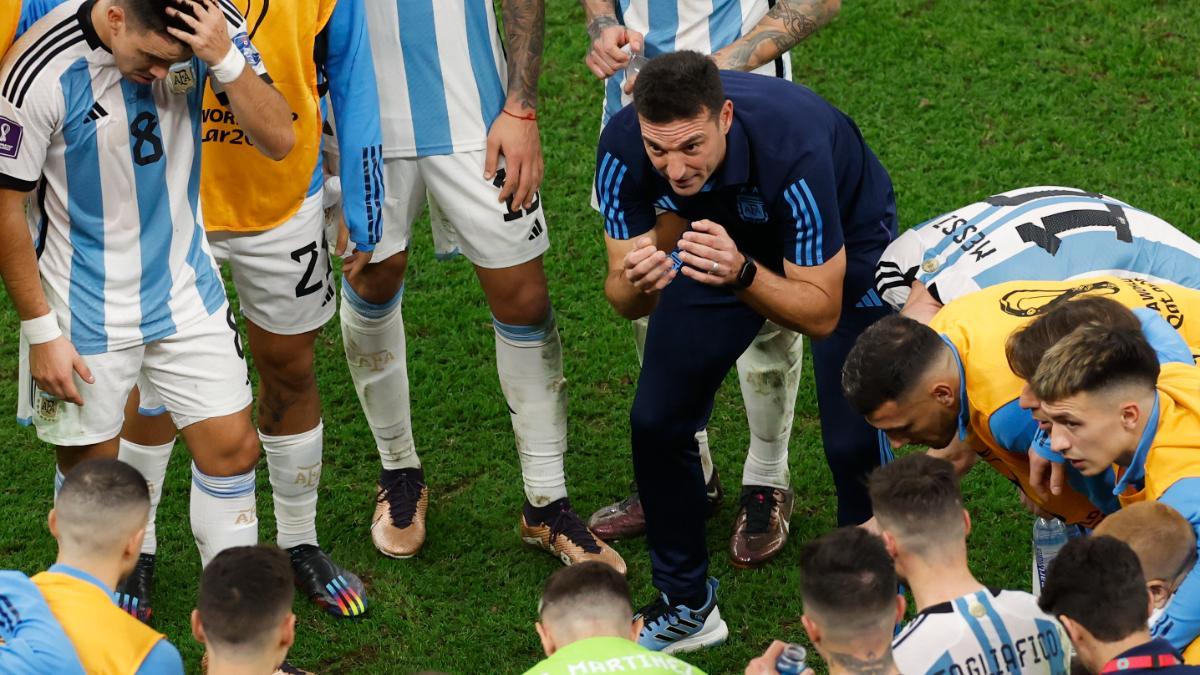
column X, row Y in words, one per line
column 790, row 212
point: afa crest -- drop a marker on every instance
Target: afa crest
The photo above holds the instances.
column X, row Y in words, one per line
column 751, row 208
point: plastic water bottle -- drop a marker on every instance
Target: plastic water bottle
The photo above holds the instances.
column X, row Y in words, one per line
column 1049, row 536
column 791, row 660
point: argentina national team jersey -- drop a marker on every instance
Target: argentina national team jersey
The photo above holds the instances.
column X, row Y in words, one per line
column 115, row 219
column 704, row 26
column 441, row 74
column 1035, row 233
column 985, row 632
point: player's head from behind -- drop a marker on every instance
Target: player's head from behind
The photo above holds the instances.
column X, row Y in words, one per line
column 919, row 507
column 1163, row 541
column 244, row 613
column 1028, row 344
column 1097, row 391
column 589, row 599
column 136, row 33
column 848, row 585
column 1095, row 588
column 904, row 379
column 99, row 517
column 684, row 116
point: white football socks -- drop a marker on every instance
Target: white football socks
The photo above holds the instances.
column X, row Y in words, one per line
column 373, row 336
column 294, row 463
column 640, row 326
column 223, row 512
column 151, row 461
column 769, row 372
column 529, row 361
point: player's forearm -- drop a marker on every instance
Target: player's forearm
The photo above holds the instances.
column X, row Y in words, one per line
column 18, row 262
column 601, row 14
column 799, row 305
column 626, row 299
column 263, row 113
column 785, row 25
column 524, row 31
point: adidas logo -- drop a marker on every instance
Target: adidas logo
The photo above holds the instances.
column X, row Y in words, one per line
column 95, row 113
column 537, row 230
column 871, row 299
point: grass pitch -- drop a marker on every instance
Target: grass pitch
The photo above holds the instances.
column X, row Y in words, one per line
column 960, row 99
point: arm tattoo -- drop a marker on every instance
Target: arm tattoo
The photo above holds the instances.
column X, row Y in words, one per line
column 601, row 14
column 785, row 24
column 598, row 24
column 870, row 664
column 524, row 30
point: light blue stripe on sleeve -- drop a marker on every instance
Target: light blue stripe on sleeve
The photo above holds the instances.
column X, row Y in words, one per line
column 423, row 76
column 724, row 23
column 612, row 96
column 483, row 61
column 800, row 219
column 85, row 208
column 818, row 253
column 154, row 209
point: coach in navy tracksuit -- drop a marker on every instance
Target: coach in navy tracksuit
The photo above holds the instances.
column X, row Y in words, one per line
column 784, row 212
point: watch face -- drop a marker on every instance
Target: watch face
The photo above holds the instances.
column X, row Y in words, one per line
column 746, row 275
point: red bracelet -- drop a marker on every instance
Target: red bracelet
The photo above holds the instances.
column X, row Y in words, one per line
column 532, row 117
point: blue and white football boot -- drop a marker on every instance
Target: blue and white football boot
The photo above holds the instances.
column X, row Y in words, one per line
column 678, row 628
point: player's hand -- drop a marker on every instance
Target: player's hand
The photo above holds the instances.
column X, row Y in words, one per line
column 1046, row 477
column 343, row 233
column 765, row 664
column 518, row 141
column 709, row 254
column 53, row 366
column 209, row 36
column 647, row 268
column 606, row 56
column 1032, row 507
column 354, row 263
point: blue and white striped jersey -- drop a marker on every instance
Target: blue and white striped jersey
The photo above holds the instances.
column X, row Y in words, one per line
column 985, row 632
column 1035, row 233
column 704, row 26
column 441, row 74
column 116, row 218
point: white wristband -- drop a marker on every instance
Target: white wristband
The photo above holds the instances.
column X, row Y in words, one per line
column 230, row 68
column 42, row 329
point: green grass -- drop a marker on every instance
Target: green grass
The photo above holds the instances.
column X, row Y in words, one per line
column 959, row 98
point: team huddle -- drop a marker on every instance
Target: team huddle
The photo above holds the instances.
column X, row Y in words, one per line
column 145, row 143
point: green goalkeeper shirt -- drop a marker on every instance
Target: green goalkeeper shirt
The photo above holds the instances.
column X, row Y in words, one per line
column 610, row 655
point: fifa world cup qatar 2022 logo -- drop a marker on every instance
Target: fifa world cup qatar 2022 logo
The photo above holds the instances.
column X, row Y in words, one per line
column 10, row 138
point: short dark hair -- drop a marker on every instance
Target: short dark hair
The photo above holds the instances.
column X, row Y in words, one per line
column 1028, row 344
column 245, row 591
column 152, row 15
column 1093, row 358
column 678, row 86
column 100, row 504
column 918, row 497
column 848, row 580
column 1098, row 583
column 887, row 361
column 591, row 587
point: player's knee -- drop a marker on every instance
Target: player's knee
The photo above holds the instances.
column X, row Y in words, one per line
column 526, row 306
column 286, row 367
column 380, row 281
column 235, row 457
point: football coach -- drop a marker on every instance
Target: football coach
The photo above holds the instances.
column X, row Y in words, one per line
column 730, row 197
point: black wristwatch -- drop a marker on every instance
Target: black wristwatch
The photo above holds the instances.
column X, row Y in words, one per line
column 745, row 276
